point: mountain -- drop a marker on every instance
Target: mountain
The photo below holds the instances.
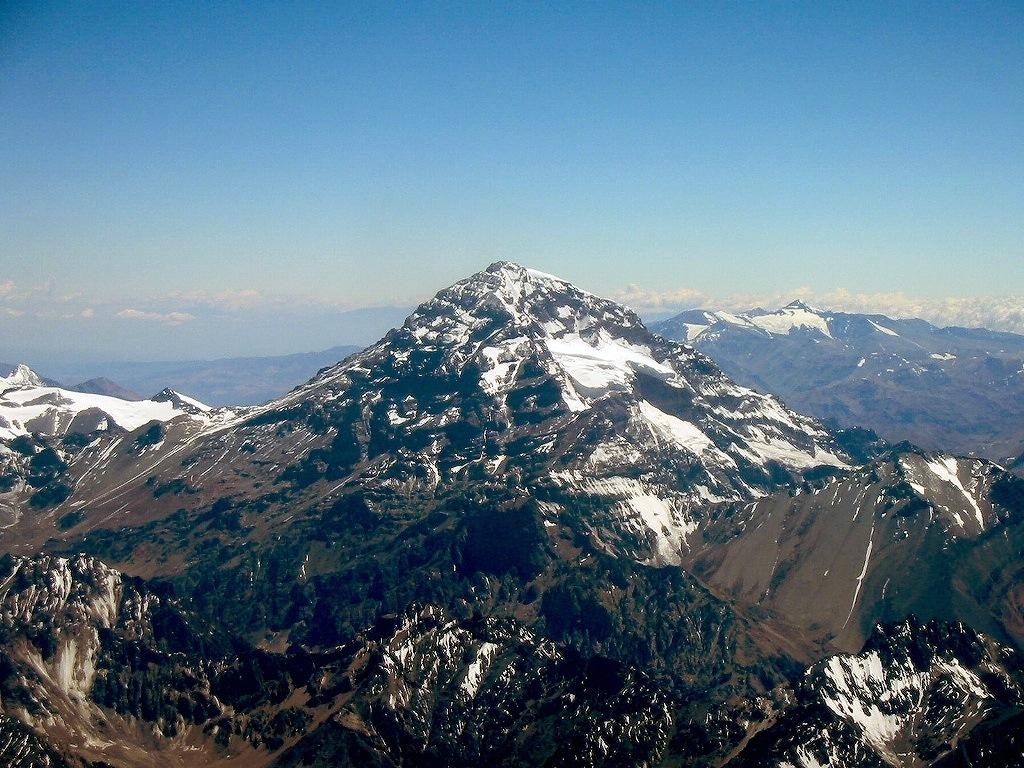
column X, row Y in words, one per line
column 45, row 430
column 104, row 386
column 520, row 529
column 28, row 407
column 20, row 376
column 910, row 532
column 952, row 389
column 129, row 678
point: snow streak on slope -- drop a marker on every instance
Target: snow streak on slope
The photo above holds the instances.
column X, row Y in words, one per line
column 954, row 486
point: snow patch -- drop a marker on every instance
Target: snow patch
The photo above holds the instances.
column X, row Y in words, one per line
column 788, row 319
column 946, row 469
column 610, row 363
column 478, row 668
column 883, row 329
column 683, row 433
column 693, row 330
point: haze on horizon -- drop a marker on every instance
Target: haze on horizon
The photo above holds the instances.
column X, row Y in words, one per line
column 191, row 180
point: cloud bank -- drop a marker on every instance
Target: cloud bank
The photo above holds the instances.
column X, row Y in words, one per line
column 168, row 318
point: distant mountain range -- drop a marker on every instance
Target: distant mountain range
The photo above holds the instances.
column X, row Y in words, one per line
column 222, row 382
column 521, row 529
column 951, row 389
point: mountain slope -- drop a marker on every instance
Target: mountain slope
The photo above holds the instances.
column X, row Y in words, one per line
column 103, row 386
column 47, row 435
column 911, row 532
column 952, row 389
column 117, row 670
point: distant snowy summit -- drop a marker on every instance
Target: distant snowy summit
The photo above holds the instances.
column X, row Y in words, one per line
column 794, row 318
column 28, row 405
column 22, row 376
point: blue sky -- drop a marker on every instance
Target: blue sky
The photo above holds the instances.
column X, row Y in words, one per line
column 164, row 166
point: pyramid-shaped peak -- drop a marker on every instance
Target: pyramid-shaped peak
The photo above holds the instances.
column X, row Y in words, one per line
column 515, row 374
column 515, row 296
column 180, row 401
column 514, row 271
column 801, row 304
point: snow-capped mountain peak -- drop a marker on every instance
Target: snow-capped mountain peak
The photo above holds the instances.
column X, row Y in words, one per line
column 22, row 376
column 517, row 298
column 55, row 411
column 801, row 304
column 181, row 402
column 514, row 370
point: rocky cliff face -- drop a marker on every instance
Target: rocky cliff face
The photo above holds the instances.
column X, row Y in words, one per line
column 918, row 694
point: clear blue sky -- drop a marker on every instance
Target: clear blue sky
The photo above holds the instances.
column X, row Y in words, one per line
column 173, row 159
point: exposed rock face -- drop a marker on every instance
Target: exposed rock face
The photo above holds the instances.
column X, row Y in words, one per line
column 486, row 693
column 918, row 694
column 111, row 671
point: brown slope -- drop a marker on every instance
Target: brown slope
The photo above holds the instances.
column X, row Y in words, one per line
column 878, row 544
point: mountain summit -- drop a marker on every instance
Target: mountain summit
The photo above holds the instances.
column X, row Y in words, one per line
column 21, row 377
column 514, row 376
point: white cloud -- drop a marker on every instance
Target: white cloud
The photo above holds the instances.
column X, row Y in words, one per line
column 231, row 299
column 645, row 300
column 168, row 318
column 6, row 288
